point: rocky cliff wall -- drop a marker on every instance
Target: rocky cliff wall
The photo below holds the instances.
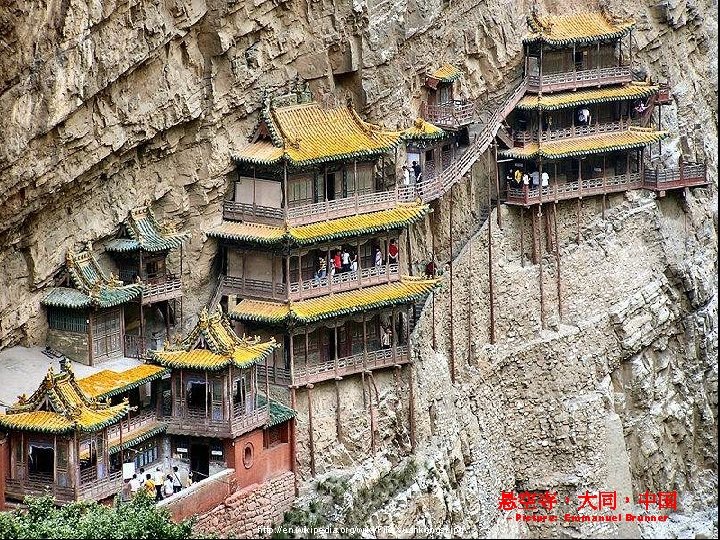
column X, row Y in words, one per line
column 109, row 104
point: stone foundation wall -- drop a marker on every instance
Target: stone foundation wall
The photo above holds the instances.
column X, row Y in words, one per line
column 247, row 510
column 74, row 346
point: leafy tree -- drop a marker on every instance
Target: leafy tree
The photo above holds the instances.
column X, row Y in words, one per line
column 139, row 518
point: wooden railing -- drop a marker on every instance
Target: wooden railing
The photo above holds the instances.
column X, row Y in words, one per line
column 196, row 422
column 36, row 486
column 161, row 289
column 253, row 287
column 321, row 211
column 523, row 137
column 356, row 204
column 572, row 190
column 569, row 80
column 101, row 488
column 689, row 175
column 236, row 211
column 344, row 281
column 454, row 114
column 433, row 187
column 135, row 422
column 279, row 375
column 349, row 365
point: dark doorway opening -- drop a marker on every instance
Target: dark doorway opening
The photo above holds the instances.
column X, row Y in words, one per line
column 200, row 461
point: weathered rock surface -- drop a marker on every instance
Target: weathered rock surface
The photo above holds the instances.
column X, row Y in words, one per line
column 107, row 104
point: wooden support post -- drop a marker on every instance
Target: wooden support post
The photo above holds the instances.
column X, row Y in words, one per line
column 497, row 186
column 540, row 272
column 307, row 352
column 579, row 210
column 336, row 349
column 411, row 410
column 338, row 423
column 452, row 326
column 372, row 413
column 181, row 298
column 491, row 284
column 469, row 298
column 290, row 354
column 557, row 262
column 534, row 237
column 311, row 437
column 522, row 237
column 434, row 342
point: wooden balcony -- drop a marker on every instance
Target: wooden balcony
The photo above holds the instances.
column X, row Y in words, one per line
column 451, row 115
column 159, row 289
column 689, row 175
column 235, row 211
column 252, row 288
column 198, row 422
column 571, row 80
column 311, row 213
column 131, row 427
column 350, row 365
column 91, row 487
column 574, row 190
column 523, row 137
column 345, row 281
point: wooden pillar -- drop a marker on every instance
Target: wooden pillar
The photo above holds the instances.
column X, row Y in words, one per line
column 371, row 383
column 336, row 348
column 338, row 422
column 434, row 264
column 307, row 352
column 311, row 438
column 491, row 284
column 534, row 237
column 630, row 48
column 285, row 202
column 452, row 325
column 167, row 319
column 286, row 257
column 557, row 262
column 540, row 272
column 604, row 187
column 578, row 212
column 91, row 348
column 181, row 298
column 365, row 354
column 291, row 356
column 497, row 186
column 597, row 59
column 540, row 70
column 393, row 336
column 522, row 237
column 411, row 411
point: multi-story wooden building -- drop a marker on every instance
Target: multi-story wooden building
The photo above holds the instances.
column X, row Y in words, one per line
column 443, row 104
column 86, row 312
column 583, row 126
column 68, row 438
column 217, row 417
column 310, row 244
column 141, row 255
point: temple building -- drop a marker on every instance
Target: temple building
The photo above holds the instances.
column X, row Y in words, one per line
column 310, row 243
column 71, row 436
column 583, row 126
column 86, row 313
column 443, row 104
column 217, row 417
column 141, row 255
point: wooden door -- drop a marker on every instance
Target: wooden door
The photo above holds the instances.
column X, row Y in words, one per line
column 107, row 334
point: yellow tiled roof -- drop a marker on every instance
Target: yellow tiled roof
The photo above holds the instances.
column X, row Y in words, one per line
column 446, row 73
column 579, row 146
column 307, row 133
column 325, row 307
column 422, row 129
column 224, row 347
column 108, row 383
column 322, row 231
column 70, row 409
column 560, row 100
column 575, row 27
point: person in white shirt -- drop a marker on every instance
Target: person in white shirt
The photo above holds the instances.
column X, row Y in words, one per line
column 378, row 257
column 406, row 175
column 168, row 487
column 545, row 179
column 345, row 261
column 134, row 484
column 158, row 479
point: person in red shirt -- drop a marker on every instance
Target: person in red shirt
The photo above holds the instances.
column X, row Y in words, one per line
column 393, row 252
column 337, row 261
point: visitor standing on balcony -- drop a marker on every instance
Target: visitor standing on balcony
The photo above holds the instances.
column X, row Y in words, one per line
column 337, row 262
column 392, row 252
column 417, row 170
column 345, row 260
column 518, row 178
column 354, row 262
column 406, row 175
column 545, row 179
column 322, row 269
column 378, row 257
column 384, row 338
column 584, row 116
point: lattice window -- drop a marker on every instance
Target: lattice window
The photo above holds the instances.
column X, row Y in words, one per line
column 67, row 321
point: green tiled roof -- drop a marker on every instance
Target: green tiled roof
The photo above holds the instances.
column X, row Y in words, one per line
column 146, row 233
column 137, row 437
column 279, row 413
column 92, row 286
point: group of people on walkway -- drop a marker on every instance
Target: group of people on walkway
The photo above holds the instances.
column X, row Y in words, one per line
column 158, row 484
column 344, row 260
column 520, row 179
column 417, row 173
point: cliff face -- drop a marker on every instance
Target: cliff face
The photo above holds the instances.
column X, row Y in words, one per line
column 107, row 104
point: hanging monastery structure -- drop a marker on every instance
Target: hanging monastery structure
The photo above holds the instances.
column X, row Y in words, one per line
column 316, row 288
